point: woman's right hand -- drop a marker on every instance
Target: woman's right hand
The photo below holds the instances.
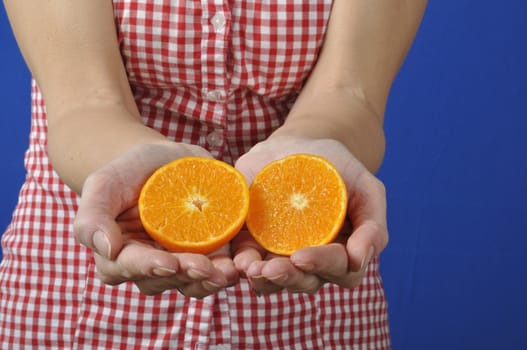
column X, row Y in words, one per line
column 108, row 222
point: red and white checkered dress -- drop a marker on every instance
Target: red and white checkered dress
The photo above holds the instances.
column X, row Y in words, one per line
column 221, row 74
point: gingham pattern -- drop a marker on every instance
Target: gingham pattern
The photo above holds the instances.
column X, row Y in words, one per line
column 221, row 74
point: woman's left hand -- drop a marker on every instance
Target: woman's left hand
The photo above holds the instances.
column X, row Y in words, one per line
column 342, row 262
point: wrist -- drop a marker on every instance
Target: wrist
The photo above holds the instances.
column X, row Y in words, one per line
column 349, row 122
column 86, row 139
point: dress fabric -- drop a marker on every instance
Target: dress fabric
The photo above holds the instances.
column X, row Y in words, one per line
column 221, row 74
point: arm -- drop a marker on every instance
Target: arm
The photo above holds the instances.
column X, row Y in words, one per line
column 339, row 115
column 72, row 51
column 345, row 97
column 94, row 128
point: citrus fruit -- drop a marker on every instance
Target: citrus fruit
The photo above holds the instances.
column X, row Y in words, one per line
column 194, row 204
column 296, row 202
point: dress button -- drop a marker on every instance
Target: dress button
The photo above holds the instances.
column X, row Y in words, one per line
column 218, row 22
column 215, row 138
column 215, row 96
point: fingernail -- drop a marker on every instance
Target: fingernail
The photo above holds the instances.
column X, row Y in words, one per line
column 211, row 286
column 279, row 278
column 367, row 258
column 197, row 274
column 305, row 267
column 253, row 288
column 101, row 244
column 163, row 271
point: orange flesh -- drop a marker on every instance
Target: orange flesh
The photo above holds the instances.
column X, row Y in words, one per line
column 296, row 202
column 194, row 204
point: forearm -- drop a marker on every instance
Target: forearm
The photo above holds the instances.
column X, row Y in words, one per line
column 346, row 95
column 71, row 49
column 90, row 138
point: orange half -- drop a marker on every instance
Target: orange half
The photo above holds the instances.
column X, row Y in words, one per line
column 194, row 204
column 296, row 202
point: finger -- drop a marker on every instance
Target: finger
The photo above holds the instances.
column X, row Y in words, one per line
column 117, row 271
column 225, row 265
column 194, row 288
column 201, row 288
column 245, row 251
column 328, row 261
column 155, row 286
column 138, row 261
column 259, row 283
column 271, row 276
column 332, row 264
column 198, row 290
column 283, row 273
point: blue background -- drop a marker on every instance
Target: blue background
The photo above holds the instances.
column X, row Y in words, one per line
column 455, row 170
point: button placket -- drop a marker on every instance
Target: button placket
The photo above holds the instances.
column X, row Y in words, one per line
column 215, row 89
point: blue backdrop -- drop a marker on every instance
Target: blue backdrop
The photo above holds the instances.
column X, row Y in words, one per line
column 455, row 170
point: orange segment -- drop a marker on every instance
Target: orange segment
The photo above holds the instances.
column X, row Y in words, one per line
column 296, row 202
column 194, row 204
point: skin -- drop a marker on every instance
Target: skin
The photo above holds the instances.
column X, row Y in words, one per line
column 72, row 51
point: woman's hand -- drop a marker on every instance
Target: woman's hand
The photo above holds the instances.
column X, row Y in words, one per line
column 342, row 262
column 108, row 223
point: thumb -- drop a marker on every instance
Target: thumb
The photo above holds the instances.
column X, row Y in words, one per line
column 246, row 165
column 95, row 225
column 365, row 243
column 367, row 211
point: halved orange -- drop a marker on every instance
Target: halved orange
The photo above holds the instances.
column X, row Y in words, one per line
column 295, row 202
column 194, row 204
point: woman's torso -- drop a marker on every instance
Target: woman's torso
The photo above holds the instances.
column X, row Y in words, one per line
column 221, row 74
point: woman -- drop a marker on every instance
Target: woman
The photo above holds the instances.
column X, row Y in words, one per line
column 123, row 87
